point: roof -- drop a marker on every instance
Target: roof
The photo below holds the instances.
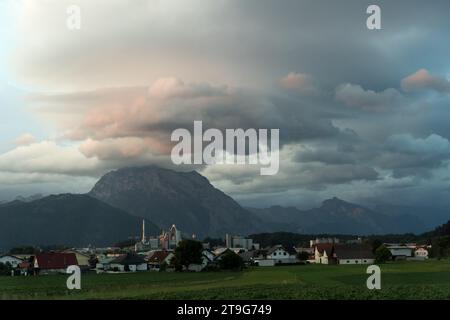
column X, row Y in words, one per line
column 353, row 251
column 55, row 260
column 11, row 256
column 275, row 248
column 159, row 256
column 128, row 259
column 247, row 255
column 327, row 247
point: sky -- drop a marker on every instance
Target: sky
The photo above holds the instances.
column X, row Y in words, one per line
column 363, row 114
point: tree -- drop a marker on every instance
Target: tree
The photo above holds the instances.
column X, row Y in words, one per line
column 231, row 261
column 382, row 254
column 187, row 252
column 5, row 269
column 440, row 247
column 303, row 256
column 375, row 243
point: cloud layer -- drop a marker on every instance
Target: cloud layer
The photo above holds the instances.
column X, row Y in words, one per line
column 351, row 123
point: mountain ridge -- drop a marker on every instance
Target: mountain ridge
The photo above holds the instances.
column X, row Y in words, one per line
column 66, row 219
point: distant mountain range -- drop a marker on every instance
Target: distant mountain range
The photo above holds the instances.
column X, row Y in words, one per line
column 66, row 219
column 113, row 211
column 336, row 216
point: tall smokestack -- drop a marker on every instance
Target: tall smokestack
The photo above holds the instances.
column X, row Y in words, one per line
column 143, row 231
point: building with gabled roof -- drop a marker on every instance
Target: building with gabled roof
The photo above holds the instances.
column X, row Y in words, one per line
column 53, row 262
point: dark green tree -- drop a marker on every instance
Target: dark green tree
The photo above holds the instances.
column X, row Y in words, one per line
column 375, row 244
column 187, row 252
column 382, row 254
column 231, row 261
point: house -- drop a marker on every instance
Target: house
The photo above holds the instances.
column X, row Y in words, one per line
column 157, row 259
column 25, row 268
column 220, row 251
column 82, row 258
column 248, row 256
column 323, row 253
column 104, row 263
column 400, row 251
column 128, row 263
column 340, row 253
column 53, row 262
column 421, row 253
column 353, row 254
column 207, row 259
column 264, row 262
column 281, row 255
column 13, row 261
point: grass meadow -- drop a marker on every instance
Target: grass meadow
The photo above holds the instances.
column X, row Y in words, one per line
column 400, row 280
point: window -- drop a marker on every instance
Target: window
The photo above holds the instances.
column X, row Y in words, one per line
column 284, row 253
column 274, row 253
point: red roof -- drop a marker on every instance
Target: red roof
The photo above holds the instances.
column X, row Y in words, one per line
column 159, row 257
column 55, row 260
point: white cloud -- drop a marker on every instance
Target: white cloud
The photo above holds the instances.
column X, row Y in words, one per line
column 25, row 139
column 48, row 158
column 355, row 96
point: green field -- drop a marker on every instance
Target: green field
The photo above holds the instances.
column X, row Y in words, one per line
column 400, row 280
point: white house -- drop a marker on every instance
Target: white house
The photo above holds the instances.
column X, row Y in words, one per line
column 323, row 252
column 400, row 251
column 421, row 253
column 11, row 260
column 280, row 255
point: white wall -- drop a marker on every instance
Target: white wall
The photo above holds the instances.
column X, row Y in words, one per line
column 400, row 252
column 265, row 262
column 356, row 261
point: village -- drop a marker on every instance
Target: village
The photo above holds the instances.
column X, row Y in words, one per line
column 156, row 253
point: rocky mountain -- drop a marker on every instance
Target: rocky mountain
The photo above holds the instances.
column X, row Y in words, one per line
column 337, row 217
column 66, row 219
column 167, row 197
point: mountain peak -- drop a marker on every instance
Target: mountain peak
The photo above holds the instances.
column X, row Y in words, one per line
column 165, row 197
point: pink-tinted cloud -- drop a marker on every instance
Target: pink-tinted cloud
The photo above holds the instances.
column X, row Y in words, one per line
column 424, row 80
column 300, row 82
